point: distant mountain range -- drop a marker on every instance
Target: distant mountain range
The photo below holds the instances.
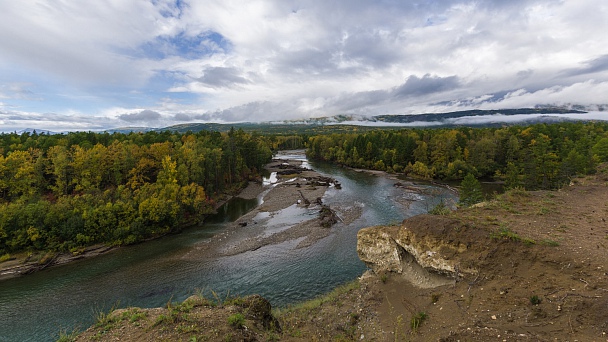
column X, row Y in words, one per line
column 351, row 122
column 469, row 118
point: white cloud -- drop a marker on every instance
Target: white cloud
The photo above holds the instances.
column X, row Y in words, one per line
column 266, row 59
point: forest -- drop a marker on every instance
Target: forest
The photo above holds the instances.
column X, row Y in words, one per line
column 66, row 191
column 541, row 156
column 63, row 192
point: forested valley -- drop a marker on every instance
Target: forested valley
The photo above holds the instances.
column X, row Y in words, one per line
column 64, row 192
column 541, row 156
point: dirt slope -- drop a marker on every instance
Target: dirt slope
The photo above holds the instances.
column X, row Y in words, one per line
column 541, row 261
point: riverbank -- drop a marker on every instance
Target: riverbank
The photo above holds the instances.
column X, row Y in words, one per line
column 22, row 264
column 526, row 266
column 25, row 263
column 294, row 193
column 291, row 186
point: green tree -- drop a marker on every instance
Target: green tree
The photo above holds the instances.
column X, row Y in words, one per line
column 600, row 149
column 470, row 191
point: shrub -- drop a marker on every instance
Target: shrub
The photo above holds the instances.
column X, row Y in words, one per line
column 237, row 320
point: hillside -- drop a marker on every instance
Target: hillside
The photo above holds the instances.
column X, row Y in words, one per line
column 351, row 123
column 527, row 266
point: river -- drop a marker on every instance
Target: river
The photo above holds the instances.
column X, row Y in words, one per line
column 36, row 307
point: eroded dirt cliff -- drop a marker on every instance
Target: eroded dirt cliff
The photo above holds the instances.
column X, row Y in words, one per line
column 529, row 266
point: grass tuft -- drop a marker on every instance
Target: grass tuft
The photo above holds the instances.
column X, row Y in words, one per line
column 236, row 320
column 417, row 320
column 550, row 243
column 384, row 278
column 535, row 300
column 65, row 336
column 440, row 209
column 505, row 233
column 317, row 302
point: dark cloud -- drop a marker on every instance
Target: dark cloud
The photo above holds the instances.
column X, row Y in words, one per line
column 598, row 64
column 352, row 102
column 372, row 48
column 415, row 86
column 222, row 77
column 182, row 117
column 306, row 61
column 143, row 116
column 523, row 74
column 247, row 111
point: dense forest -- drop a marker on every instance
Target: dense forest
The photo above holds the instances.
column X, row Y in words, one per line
column 542, row 156
column 63, row 192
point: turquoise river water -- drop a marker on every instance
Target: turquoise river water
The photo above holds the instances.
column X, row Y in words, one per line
column 38, row 306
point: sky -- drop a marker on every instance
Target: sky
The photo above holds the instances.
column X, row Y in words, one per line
column 92, row 65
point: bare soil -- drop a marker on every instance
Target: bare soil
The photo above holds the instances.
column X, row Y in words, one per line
column 542, row 260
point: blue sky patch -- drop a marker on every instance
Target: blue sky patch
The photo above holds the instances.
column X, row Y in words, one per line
column 186, row 46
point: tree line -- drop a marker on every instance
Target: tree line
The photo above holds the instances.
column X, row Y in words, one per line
column 66, row 191
column 541, row 156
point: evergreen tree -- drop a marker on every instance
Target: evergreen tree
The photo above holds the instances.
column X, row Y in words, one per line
column 470, row 191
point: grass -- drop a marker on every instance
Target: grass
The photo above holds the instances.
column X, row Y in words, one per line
column 510, row 200
column 398, row 324
column 417, row 320
column 543, row 211
column 175, row 313
column 106, row 320
column 535, row 300
column 5, row 257
column 236, row 320
column 440, row 209
column 317, row 302
column 292, row 317
column 504, row 233
column 550, row 243
column 384, row 278
column 65, row 336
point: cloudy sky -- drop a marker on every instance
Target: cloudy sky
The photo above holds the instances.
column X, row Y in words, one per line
column 88, row 65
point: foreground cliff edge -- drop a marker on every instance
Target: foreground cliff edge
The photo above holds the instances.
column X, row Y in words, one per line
column 528, row 266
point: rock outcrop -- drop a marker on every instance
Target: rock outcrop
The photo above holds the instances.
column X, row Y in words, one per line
column 421, row 250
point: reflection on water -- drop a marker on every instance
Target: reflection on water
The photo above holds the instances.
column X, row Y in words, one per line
column 35, row 307
column 232, row 210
